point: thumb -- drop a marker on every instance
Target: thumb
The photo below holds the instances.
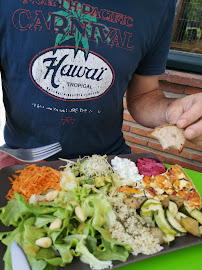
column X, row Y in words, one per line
column 191, row 111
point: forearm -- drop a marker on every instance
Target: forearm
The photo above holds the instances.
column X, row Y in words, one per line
column 149, row 109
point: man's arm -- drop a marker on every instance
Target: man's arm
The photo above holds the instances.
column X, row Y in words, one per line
column 146, row 103
column 150, row 108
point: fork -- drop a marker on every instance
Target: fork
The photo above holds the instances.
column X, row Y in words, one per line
column 33, row 154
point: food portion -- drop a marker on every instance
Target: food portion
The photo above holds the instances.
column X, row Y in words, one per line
column 150, row 167
column 127, row 171
column 174, row 182
column 169, row 136
column 34, row 180
column 129, row 227
column 97, row 211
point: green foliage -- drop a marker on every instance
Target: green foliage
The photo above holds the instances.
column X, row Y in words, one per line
column 80, row 41
column 194, row 10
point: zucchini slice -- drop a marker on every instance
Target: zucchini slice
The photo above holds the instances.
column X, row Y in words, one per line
column 184, row 209
column 179, row 201
column 144, row 201
column 148, row 218
column 172, row 207
column 162, row 223
column 170, row 239
column 180, row 215
column 147, row 211
column 197, row 215
column 151, row 201
column 174, row 223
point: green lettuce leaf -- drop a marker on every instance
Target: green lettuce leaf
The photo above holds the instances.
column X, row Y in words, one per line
column 80, row 194
column 15, row 235
column 90, row 240
column 14, row 210
column 98, row 207
column 44, row 220
column 87, row 257
column 19, row 208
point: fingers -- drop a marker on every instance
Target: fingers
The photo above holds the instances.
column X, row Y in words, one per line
column 174, row 111
column 192, row 112
column 194, row 131
column 191, row 119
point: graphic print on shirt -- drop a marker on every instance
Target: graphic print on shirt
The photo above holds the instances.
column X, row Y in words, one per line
column 60, row 69
column 74, row 72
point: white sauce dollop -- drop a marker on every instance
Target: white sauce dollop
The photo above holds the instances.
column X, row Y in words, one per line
column 127, row 170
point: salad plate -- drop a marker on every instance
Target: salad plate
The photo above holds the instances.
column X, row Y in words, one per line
column 180, row 243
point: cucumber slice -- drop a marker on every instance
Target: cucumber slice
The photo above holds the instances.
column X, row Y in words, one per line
column 197, row 215
column 147, row 211
column 174, row 223
column 172, row 207
column 162, row 223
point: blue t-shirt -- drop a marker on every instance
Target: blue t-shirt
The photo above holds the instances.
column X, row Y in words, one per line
column 65, row 67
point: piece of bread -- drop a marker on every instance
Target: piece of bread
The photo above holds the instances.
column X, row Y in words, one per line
column 169, row 136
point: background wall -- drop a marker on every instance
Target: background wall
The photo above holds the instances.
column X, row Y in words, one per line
column 174, row 84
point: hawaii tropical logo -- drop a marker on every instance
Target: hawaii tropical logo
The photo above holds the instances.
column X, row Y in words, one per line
column 73, row 72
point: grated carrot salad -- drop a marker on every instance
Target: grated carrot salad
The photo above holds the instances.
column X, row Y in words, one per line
column 34, row 180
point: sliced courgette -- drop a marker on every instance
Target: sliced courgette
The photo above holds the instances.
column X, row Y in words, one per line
column 148, row 217
column 184, row 209
column 197, row 215
column 179, row 201
column 147, row 211
column 150, row 201
column 174, row 223
column 180, row 215
column 144, row 201
column 161, row 222
column 168, row 238
column 172, row 207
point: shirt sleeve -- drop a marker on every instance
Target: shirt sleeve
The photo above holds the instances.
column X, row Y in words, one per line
column 154, row 61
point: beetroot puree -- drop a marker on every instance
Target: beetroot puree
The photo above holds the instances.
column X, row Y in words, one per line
column 149, row 167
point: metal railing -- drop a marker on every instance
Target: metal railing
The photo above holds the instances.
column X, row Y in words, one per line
column 187, row 31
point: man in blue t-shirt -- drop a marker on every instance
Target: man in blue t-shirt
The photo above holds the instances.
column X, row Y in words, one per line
column 65, row 67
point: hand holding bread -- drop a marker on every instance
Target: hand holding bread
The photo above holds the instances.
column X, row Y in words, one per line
column 186, row 113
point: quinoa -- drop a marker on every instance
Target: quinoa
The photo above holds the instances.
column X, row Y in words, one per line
column 130, row 228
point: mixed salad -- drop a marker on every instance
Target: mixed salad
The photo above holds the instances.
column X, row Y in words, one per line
column 61, row 214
